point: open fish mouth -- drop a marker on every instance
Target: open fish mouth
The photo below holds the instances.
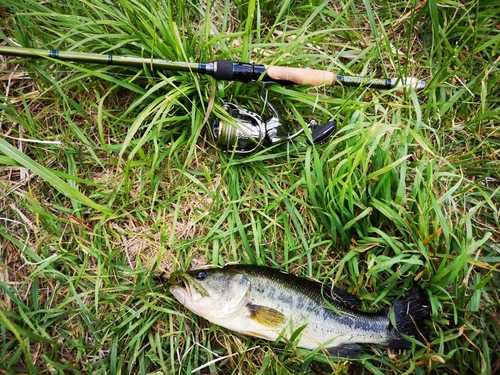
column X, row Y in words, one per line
column 181, row 280
column 177, row 280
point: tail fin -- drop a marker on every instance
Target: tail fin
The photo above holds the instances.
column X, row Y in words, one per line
column 410, row 312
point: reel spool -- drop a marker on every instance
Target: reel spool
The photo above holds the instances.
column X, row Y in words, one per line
column 248, row 132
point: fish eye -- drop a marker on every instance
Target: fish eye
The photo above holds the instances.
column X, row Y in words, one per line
column 202, row 275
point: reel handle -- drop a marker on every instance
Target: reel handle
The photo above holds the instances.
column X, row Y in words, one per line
column 321, row 133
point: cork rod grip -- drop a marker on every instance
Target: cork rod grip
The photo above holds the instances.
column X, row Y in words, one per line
column 301, row 76
column 306, row 76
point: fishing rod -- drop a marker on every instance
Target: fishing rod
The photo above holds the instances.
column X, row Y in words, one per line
column 247, row 131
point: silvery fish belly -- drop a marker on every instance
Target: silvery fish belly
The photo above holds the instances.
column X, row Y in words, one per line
column 270, row 304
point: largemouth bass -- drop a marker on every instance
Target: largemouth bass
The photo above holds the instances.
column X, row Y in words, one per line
column 270, row 304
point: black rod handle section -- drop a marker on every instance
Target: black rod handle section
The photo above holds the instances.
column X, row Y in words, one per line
column 223, row 69
column 244, row 72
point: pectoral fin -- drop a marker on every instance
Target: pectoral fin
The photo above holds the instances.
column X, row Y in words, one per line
column 266, row 315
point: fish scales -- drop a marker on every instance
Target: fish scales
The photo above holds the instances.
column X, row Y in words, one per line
column 267, row 303
column 304, row 302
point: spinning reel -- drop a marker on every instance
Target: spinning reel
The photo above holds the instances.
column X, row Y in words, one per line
column 248, row 132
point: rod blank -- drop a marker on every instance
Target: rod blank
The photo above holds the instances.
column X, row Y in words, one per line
column 225, row 70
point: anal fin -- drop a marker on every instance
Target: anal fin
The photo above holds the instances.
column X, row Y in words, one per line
column 345, row 351
column 266, row 315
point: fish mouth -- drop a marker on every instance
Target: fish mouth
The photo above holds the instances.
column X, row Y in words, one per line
column 183, row 281
column 178, row 278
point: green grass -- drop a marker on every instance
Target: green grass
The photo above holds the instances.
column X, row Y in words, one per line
column 108, row 177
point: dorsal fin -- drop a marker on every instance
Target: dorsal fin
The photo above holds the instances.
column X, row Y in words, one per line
column 338, row 295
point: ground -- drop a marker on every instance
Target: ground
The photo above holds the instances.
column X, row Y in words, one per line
column 109, row 179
